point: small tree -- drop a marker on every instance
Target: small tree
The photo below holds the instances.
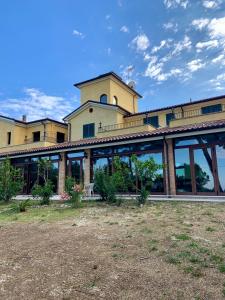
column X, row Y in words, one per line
column 146, row 172
column 105, row 186
column 11, row 181
column 45, row 190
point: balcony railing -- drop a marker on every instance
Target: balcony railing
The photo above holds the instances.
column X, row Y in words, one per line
column 118, row 126
column 192, row 113
column 140, row 122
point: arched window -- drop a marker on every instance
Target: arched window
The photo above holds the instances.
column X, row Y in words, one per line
column 115, row 100
column 103, row 98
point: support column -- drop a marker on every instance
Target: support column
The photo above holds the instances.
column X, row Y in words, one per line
column 62, row 173
column 87, row 167
column 170, row 168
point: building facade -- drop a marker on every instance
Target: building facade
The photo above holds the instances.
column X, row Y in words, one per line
column 188, row 139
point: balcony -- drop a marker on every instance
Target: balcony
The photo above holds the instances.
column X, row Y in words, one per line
column 196, row 116
column 119, row 126
column 194, row 113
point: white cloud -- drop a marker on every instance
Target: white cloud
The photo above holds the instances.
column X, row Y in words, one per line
column 211, row 3
column 207, row 45
column 200, row 23
column 124, row 29
column 128, row 72
column 176, row 3
column 171, row 26
column 195, row 65
column 219, row 59
column 107, row 17
column 141, row 42
column 185, row 44
column 36, row 105
column 163, row 44
column 109, row 51
column 155, row 71
column 217, row 28
column 78, row 34
column 219, row 82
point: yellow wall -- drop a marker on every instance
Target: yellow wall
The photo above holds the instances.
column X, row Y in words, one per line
column 25, row 146
column 20, row 131
column 103, row 115
column 111, row 87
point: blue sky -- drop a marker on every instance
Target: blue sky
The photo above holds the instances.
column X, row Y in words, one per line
column 173, row 49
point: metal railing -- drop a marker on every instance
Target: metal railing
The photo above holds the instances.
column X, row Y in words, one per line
column 140, row 122
column 118, row 126
column 192, row 113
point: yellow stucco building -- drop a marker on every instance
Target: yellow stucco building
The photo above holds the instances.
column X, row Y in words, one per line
column 189, row 139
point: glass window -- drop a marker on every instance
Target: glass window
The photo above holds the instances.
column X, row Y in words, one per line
column 169, row 117
column 220, row 154
column 157, row 186
column 102, row 151
column 203, row 170
column 53, row 175
column 89, row 130
column 103, row 98
column 60, row 137
column 75, row 154
column 155, row 145
column 183, row 170
column 125, row 148
column 36, row 136
column 104, row 163
column 154, row 121
column 200, row 139
column 211, row 109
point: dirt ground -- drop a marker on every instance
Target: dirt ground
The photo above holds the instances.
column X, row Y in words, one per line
column 161, row 251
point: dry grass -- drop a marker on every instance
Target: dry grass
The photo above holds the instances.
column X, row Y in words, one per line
column 160, row 251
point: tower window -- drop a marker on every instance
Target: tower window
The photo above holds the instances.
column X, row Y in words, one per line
column 115, row 100
column 103, row 98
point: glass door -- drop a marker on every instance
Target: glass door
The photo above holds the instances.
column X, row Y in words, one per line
column 220, row 161
column 75, row 170
column 204, row 171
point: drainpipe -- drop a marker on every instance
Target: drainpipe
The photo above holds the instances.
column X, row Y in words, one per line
column 69, row 131
column 43, row 123
column 168, row 167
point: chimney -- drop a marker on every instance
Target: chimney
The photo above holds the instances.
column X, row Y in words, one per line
column 24, row 118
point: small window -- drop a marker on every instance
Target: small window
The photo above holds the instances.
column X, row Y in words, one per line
column 8, row 138
column 211, row 109
column 154, row 121
column 36, row 136
column 88, row 130
column 115, row 100
column 169, row 117
column 103, row 98
column 60, row 137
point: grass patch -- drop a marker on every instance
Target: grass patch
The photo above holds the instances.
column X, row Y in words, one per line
column 37, row 214
column 221, row 268
column 210, row 229
column 182, row 237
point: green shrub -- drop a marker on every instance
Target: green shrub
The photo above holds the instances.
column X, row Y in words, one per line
column 105, row 186
column 43, row 192
column 20, row 206
column 11, row 181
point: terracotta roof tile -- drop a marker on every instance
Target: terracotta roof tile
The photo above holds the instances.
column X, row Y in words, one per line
column 124, row 137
